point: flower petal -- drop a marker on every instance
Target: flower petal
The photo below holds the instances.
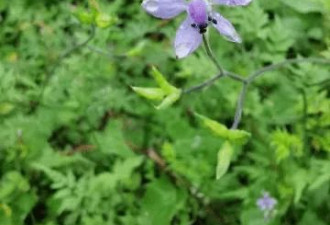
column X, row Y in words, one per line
column 187, row 39
column 164, row 9
column 232, row 2
column 197, row 10
column 225, row 28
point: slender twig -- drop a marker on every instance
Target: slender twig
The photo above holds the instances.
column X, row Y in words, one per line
column 240, row 105
column 235, row 76
column 204, row 84
column 211, row 80
column 211, row 55
column 254, row 75
column 272, row 67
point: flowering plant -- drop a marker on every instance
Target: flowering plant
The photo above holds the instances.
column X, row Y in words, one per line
column 200, row 15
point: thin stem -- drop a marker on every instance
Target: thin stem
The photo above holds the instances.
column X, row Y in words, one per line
column 272, row 67
column 211, row 80
column 211, row 55
column 204, row 84
column 239, row 107
column 256, row 74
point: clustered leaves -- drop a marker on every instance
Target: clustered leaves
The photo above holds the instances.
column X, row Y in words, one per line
column 78, row 146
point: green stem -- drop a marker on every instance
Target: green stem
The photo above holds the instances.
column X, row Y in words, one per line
column 211, row 55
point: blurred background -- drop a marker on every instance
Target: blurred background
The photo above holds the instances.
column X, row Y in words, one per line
column 78, row 146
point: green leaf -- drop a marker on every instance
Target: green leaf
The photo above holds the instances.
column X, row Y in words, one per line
column 286, row 144
column 238, row 137
column 84, row 17
column 161, row 81
column 6, row 108
column 161, row 202
column 150, row 93
column 224, row 158
column 169, row 100
column 104, row 21
column 137, row 50
column 217, row 128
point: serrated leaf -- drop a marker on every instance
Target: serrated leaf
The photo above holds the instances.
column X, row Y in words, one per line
column 224, row 158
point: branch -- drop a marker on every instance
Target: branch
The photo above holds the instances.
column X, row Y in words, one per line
column 256, row 74
column 272, row 67
column 211, row 55
column 204, row 84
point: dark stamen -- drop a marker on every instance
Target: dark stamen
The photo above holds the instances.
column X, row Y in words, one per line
column 214, row 21
column 194, row 25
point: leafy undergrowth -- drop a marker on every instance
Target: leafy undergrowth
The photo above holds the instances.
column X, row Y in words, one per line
column 78, row 146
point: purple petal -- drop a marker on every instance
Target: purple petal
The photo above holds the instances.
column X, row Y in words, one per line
column 225, row 28
column 266, row 202
column 187, row 39
column 164, row 9
column 232, row 2
column 197, row 10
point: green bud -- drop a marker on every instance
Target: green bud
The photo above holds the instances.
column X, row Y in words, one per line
column 217, row 128
column 239, row 137
column 169, row 100
column 224, row 158
column 161, row 81
column 150, row 93
column 104, row 21
column 84, row 17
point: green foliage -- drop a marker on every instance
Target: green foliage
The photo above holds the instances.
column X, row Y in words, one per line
column 78, row 146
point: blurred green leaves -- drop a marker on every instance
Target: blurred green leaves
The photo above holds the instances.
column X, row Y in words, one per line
column 90, row 152
column 95, row 16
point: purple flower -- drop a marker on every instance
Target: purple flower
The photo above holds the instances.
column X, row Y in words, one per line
column 266, row 203
column 200, row 16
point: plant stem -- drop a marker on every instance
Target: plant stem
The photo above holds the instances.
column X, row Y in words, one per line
column 211, row 55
